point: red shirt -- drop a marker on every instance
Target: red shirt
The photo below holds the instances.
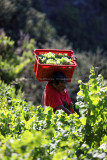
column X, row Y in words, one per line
column 53, row 98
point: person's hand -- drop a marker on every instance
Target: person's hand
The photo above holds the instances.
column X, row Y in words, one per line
column 65, row 104
column 74, row 58
column 64, row 109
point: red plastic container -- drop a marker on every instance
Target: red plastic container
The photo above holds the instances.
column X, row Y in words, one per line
column 45, row 71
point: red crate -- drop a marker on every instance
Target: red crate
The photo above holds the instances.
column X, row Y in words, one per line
column 45, row 71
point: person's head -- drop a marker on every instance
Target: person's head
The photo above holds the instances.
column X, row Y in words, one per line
column 59, row 81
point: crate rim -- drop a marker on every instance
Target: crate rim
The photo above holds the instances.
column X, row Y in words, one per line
column 67, row 50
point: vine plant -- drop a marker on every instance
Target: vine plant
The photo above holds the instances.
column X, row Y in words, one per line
column 34, row 133
column 92, row 104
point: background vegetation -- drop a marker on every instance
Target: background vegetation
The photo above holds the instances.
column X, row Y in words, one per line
column 26, row 25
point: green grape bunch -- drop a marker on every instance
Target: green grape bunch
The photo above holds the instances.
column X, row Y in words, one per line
column 56, row 59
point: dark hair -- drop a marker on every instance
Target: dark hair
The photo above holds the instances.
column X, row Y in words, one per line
column 57, row 77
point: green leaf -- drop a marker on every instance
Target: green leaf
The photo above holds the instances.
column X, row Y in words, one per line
column 83, row 120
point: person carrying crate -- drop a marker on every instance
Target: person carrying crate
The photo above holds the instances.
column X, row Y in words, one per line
column 56, row 95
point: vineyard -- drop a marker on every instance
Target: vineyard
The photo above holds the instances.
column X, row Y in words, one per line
column 36, row 133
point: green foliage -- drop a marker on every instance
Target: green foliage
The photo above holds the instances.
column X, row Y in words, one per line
column 13, row 13
column 6, row 47
column 29, row 132
column 26, row 18
column 84, row 29
column 28, row 49
column 11, row 65
column 38, row 27
column 92, row 102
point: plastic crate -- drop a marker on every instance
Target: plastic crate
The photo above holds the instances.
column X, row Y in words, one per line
column 45, row 71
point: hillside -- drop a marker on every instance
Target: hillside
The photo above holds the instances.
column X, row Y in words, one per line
column 28, row 129
column 26, row 25
column 82, row 21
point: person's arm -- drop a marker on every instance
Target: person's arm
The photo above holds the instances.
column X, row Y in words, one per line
column 64, row 109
